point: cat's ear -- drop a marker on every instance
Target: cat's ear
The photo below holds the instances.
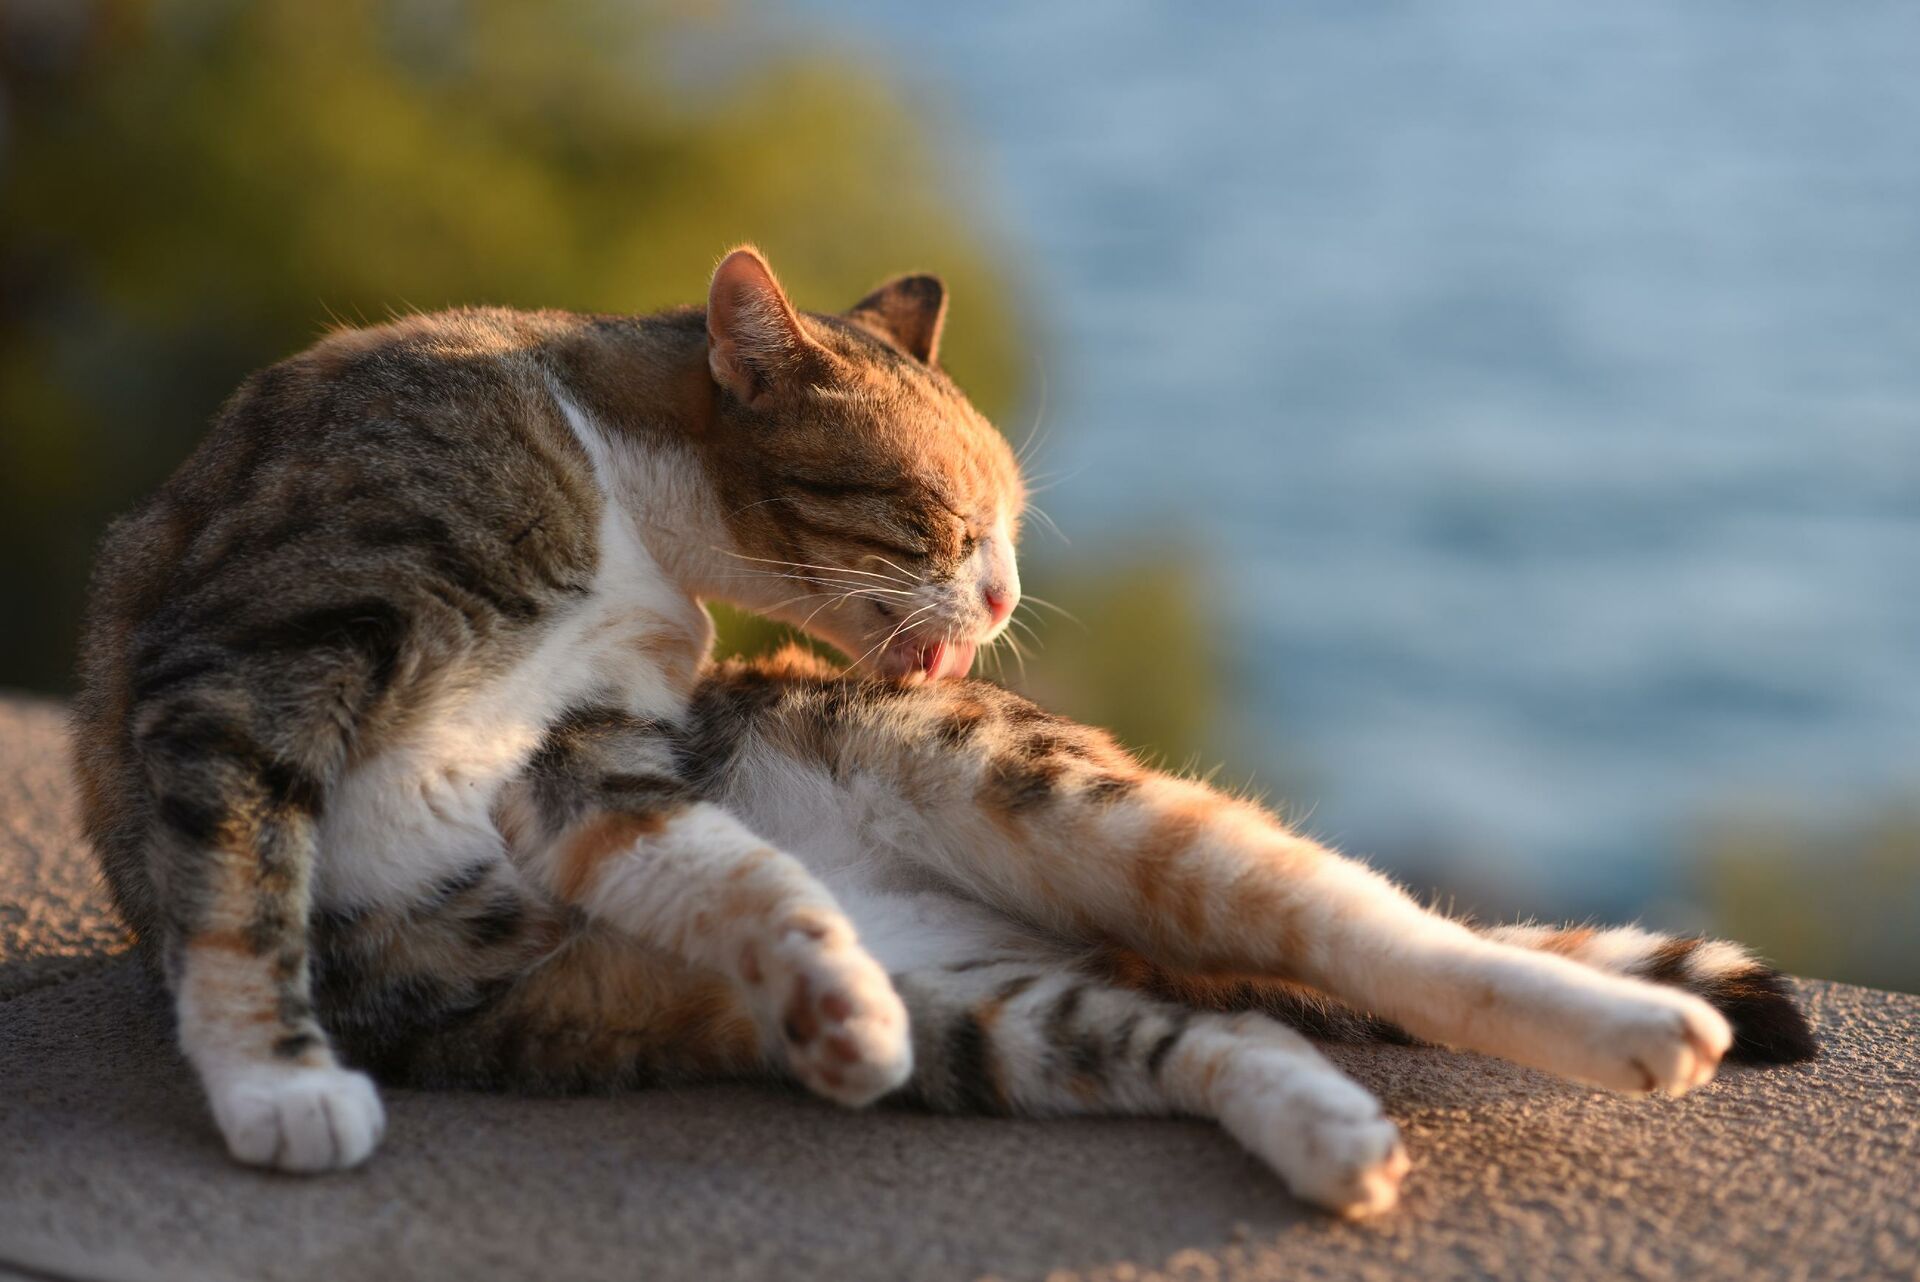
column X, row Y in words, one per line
column 756, row 346
column 908, row 311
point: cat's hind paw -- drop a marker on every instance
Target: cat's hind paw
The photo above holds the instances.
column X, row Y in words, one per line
column 306, row 1119
column 840, row 1024
column 1665, row 1041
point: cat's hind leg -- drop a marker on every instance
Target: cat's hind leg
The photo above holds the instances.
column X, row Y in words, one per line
column 232, row 859
column 1025, row 1037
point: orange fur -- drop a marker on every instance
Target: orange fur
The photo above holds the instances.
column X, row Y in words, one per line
column 580, row 855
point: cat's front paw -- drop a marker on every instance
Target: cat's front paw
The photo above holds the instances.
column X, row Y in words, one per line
column 841, row 1025
column 306, row 1119
column 1322, row 1134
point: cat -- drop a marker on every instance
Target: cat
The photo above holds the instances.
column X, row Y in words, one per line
column 404, row 758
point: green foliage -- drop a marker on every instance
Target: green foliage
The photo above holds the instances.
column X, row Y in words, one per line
column 195, row 189
column 1840, row 904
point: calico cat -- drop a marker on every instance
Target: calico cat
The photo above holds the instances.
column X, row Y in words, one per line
column 403, row 754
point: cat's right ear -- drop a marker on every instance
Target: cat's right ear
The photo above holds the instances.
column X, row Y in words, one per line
column 756, row 346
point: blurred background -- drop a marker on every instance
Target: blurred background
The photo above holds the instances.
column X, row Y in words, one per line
column 1491, row 432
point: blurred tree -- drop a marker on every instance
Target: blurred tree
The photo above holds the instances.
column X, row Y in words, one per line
column 190, row 189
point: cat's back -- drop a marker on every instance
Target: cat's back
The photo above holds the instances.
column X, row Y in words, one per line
column 405, row 494
column 420, row 412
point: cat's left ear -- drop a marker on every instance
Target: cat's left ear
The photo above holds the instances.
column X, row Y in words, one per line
column 908, row 311
column 756, row 346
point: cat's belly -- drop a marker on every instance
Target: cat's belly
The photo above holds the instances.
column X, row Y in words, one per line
column 858, row 841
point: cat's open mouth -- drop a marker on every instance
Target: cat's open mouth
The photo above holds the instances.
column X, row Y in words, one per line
column 927, row 658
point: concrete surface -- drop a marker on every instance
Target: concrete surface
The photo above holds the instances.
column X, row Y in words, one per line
column 110, row 1169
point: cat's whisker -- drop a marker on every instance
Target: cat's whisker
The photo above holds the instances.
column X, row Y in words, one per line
column 1051, row 524
column 1000, row 662
column 825, row 582
column 1040, row 485
column 834, row 598
column 824, row 605
column 1019, row 655
column 809, row 580
column 881, row 584
column 781, row 605
column 999, row 668
column 903, row 577
column 1027, row 628
column 875, row 556
column 863, row 593
column 1029, row 598
column 836, row 592
column 831, row 569
column 1037, row 433
column 889, row 638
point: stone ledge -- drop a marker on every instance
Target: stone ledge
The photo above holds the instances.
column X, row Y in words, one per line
column 110, row 1169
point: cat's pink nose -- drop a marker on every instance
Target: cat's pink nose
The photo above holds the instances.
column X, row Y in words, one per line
column 999, row 603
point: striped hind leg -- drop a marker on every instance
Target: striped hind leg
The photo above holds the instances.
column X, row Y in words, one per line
column 1039, row 1039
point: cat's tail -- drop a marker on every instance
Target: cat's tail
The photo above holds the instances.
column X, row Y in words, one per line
column 1768, row 1024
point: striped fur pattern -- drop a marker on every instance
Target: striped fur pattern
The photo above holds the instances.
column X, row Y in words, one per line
column 401, row 749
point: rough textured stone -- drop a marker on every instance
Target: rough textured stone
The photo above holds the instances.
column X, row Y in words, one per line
column 110, row 1168
column 54, row 916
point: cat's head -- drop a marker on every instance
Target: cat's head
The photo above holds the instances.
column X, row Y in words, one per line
column 868, row 502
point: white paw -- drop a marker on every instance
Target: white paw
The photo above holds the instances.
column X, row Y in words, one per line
column 1656, row 1039
column 1324, row 1135
column 834, row 1012
column 298, row 1118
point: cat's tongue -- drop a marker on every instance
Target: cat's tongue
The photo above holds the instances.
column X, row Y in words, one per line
column 947, row 659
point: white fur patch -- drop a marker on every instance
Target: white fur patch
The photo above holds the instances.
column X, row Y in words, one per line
column 849, row 837
column 296, row 1119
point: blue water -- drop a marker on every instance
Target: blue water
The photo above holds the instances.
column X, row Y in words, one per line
column 1543, row 379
